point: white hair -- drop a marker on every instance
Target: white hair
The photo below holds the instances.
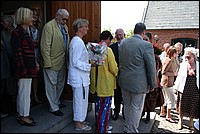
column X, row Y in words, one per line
column 191, row 50
column 62, row 12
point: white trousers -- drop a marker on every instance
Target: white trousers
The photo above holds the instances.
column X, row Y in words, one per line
column 170, row 97
column 133, row 107
column 23, row 96
column 80, row 103
column 54, row 85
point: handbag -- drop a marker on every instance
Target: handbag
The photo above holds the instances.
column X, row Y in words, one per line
column 150, row 101
column 160, row 98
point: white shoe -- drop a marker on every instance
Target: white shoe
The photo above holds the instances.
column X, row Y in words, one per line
column 109, row 131
column 109, row 128
column 85, row 128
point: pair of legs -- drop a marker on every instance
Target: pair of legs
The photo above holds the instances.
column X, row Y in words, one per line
column 180, row 123
column 117, row 103
column 133, row 107
column 102, row 113
column 23, row 102
column 35, row 90
column 54, row 85
column 80, row 105
column 170, row 102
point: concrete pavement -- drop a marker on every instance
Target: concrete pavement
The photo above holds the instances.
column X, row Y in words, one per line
column 49, row 123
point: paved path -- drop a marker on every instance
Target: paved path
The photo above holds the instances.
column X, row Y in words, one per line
column 163, row 126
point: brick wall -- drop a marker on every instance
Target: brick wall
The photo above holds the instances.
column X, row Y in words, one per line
column 167, row 35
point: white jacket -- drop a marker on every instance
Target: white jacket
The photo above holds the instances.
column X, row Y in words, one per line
column 79, row 67
column 182, row 75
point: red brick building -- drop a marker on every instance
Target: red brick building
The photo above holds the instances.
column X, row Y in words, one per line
column 173, row 21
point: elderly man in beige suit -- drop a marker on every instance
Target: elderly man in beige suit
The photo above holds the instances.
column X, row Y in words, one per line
column 54, row 51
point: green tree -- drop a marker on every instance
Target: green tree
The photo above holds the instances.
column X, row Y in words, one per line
column 129, row 33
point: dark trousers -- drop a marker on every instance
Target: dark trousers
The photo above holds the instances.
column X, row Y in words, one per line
column 117, row 100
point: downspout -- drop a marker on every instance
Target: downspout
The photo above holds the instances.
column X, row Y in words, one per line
column 44, row 10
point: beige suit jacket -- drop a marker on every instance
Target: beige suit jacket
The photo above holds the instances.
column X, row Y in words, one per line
column 52, row 46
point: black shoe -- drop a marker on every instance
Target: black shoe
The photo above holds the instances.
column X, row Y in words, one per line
column 57, row 113
column 61, row 105
column 147, row 120
column 115, row 116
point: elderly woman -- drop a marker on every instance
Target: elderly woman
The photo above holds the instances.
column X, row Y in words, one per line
column 79, row 74
column 24, row 62
column 187, row 84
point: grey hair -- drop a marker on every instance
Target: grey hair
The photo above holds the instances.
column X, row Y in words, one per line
column 119, row 29
column 191, row 50
column 178, row 44
column 79, row 22
column 62, row 12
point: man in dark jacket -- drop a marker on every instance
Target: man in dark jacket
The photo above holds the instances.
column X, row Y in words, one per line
column 119, row 35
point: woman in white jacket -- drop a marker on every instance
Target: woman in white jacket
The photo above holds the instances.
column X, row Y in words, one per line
column 79, row 74
column 187, row 84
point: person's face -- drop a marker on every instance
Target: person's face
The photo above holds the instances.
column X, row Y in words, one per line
column 119, row 35
column 108, row 41
column 5, row 24
column 62, row 19
column 146, row 38
column 175, row 54
column 189, row 57
column 35, row 16
column 83, row 29
column 31, row 19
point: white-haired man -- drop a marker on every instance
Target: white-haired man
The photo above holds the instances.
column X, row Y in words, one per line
column 54, row 51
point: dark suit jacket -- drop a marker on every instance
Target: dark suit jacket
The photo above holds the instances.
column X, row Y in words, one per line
column 114, row 48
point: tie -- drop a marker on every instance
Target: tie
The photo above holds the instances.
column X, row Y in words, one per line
column 64, row 33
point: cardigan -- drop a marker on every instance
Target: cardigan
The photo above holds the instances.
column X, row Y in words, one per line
column 182, row 75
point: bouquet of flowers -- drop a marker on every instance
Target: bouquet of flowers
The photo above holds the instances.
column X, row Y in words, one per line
column 97, row 53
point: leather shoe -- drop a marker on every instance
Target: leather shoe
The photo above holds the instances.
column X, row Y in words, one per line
column 147, row 120
column 61, row 105
column 57, row 113
column 115, row 116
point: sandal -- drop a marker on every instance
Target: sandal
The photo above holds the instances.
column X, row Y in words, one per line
column 85, row 128
column 19, row 118
column 85, row 123
column 24, row 123
column 162, row 115
column 170, row 120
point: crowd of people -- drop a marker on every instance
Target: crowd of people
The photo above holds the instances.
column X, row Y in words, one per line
column 134, row 68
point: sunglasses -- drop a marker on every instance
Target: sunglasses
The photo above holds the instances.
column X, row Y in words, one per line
column 65, row 19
